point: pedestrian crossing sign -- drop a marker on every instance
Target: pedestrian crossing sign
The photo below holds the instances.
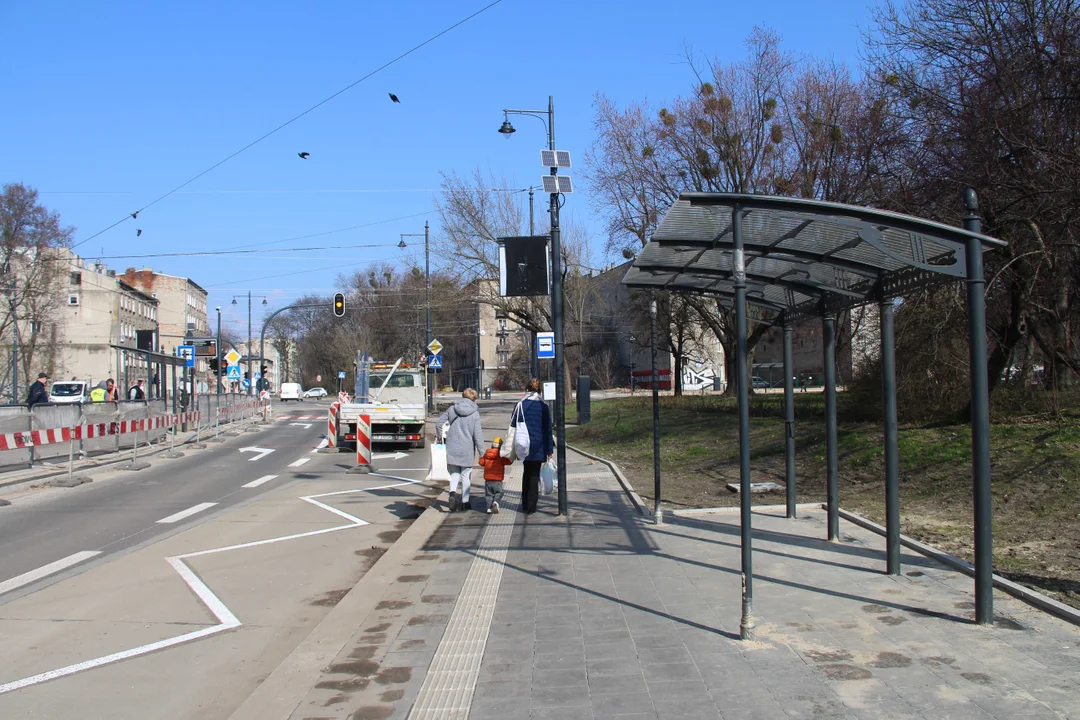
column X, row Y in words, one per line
column 434, row 362
column 233, row 372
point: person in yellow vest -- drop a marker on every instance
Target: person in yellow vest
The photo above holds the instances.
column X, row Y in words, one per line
column 97, row 395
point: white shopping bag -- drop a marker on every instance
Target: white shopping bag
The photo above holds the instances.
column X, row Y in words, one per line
column 438, row 470
column 547, row 477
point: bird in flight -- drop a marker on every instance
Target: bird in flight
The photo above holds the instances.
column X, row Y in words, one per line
column 135, row 215
column 138, row 232
column 394, row 97
column 303, row 155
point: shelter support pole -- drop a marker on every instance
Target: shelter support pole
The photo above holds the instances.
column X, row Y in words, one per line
column 746, row 625
column 789, row 418
column 892, row 451
column 658, row 516
column 832, row 491
column 980, row 417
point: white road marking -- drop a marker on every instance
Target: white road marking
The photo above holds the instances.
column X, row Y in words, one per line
column 226, row 619
column 187, row 513
column 260, row 481
column 322, row 443
column 391, row 456
column 302, row 417
column 303, row 425
column 298, row 463
column 263, row 452
column 46, row 570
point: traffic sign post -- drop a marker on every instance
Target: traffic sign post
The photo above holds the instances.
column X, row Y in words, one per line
column 245, row 383
column 545, row 345
column 233, row 373
column 434, row 362
column 232, row 357
column 435, row 347
column 188, row 353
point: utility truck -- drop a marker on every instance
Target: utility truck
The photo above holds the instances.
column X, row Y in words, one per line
column 394, row 396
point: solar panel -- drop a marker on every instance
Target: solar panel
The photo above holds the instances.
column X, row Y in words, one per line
column 555, row 158
column 551, row 185
column 565, row 186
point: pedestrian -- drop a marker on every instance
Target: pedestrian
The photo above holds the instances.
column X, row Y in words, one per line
column 112, row 393
column 537, row 418
column 494, row 474
column 464, row 440
column 97, row 395
column 136, row 392
column 38, row 393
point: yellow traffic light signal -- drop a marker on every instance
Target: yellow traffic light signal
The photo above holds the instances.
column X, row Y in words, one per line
column 339, row 304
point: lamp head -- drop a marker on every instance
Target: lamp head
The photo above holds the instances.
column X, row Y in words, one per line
column 401, row 243
column 264, row 302
column 234, row 301
column 507, row 129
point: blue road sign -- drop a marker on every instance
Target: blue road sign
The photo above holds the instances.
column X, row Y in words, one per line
column 545, row 345
column 341, row 375
column 434, row 362
column 233, row 372
column 188, row 353
column 258, row 375
column 245, row 383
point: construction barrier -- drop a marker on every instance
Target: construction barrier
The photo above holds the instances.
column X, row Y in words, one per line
column 331, row 425
column 363, row 441
column 38, row 438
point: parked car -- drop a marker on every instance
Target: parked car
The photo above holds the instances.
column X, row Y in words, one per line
column 289, row 391
column 759, row 383
column 315, row 392
column 70, row 392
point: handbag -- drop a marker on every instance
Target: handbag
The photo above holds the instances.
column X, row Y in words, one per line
column 438, row 470
column 548, row 473
column 516, row 443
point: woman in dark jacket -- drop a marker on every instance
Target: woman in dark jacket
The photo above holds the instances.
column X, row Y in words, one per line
column 538, row 420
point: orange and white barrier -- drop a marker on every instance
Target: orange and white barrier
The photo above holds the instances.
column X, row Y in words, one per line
column 363, row 441
column 37, row 438
column 331, row 425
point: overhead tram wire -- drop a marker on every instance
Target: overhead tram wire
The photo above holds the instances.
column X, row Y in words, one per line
column 253, row 143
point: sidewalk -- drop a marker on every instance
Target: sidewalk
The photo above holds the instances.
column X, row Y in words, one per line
column 605, row 615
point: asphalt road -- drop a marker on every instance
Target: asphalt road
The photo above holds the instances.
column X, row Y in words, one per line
column 120, row 510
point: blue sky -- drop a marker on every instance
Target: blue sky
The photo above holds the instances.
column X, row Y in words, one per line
column 111, row 105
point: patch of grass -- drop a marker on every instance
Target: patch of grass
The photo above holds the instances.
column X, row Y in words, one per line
column 1035, row 470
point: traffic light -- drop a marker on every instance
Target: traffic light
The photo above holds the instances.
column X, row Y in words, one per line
column 339, row 304
column 212, row 362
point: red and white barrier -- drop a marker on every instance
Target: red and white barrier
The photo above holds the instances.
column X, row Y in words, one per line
column 331, row 425
column 363, row 441
column 37, row 438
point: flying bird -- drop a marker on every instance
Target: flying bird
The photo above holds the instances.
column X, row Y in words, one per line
column 303, row 155
column 138, row 232
column 394, row 97
column 135, row 215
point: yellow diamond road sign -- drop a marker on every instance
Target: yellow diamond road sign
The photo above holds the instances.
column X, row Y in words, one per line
column 232, row 357
column 435, row 347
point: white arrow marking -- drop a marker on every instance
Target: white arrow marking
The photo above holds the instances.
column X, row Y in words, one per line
column 392, row 456
column 263, row 452
column 303, row 425
column 322, row 443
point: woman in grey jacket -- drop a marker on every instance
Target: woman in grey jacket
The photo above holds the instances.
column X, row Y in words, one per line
column 464, row 443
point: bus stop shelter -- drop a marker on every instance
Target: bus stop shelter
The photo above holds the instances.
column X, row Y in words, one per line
column 796, row 259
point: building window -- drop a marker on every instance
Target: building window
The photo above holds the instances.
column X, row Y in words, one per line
column 76, row 278
column 502, row 324
column 504, row 358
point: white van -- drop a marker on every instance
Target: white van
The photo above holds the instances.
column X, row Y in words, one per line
column 289, row 391
column 69, row 392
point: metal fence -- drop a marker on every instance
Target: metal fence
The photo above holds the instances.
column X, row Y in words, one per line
column 213, row 410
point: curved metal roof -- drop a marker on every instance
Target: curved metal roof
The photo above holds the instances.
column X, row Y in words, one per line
column 801, row 256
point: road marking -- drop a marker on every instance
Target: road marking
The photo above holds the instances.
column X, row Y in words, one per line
column 260, row 481
column 303, row 425
column 226, row 619
column 390, row 456
column 187, row 513
column 298, row 463
column 46, row 570
column 322, row 443
column 263, row 452
column 302, row 417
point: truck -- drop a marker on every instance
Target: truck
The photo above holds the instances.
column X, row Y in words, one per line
column 394, row 396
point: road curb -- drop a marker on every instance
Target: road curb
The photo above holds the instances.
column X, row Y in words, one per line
column 287, row 686
column 626, row 486
column 1026, row 594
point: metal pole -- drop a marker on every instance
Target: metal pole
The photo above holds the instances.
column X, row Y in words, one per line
column 980, row 417
column 557, row 322
column 832, row 490
column 251, row 376
column 892, row 450
column 14, row 343
column 220, row 369
column 789, row 418
column 427, row 313
column 746, row 626
column 658, row 516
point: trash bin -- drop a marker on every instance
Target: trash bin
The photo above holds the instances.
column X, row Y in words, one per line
column 717, row 384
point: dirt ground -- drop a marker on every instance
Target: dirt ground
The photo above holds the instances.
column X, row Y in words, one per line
column 1035, row 471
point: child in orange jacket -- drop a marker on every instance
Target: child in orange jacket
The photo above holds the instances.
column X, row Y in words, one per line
column 494, row 468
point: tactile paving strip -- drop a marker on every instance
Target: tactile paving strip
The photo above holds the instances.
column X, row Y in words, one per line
column 448, row 687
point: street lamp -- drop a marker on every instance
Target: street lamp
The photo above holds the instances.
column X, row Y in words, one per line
column 427, row 300
column 251, row 376
column 556, row 286
column 218, row 346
